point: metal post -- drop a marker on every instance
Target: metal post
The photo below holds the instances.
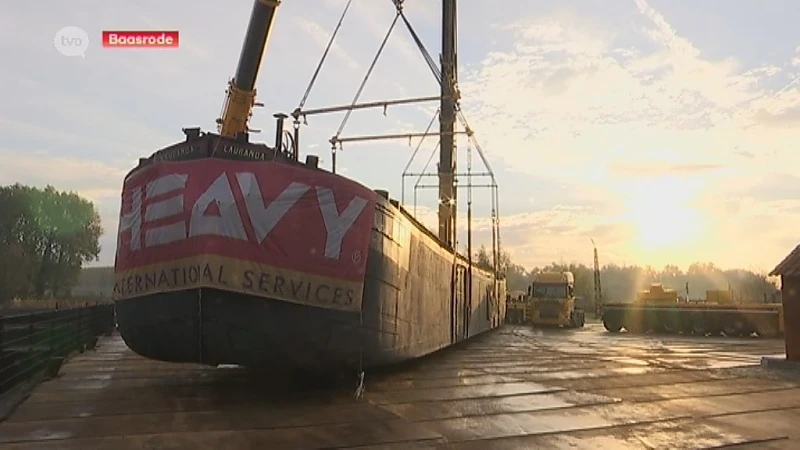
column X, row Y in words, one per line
column 333, row 157
column 296, row 140
column 279, row 131
column 447, row 119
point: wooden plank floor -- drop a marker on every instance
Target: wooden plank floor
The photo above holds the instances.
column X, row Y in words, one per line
column 514, row 388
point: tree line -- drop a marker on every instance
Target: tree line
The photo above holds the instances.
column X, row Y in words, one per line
column 620, row 283
column 47, row 235
column 45, row 238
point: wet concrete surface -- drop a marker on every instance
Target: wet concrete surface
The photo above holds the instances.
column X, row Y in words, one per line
column 514, row 388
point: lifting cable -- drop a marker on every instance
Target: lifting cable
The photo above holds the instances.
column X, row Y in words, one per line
column 324, row 56
column 421, row 46
column 398, row 4
column 366, row 77
column 421, row 140
column 459, row 113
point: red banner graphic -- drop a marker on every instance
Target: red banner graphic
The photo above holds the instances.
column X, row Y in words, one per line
column 262, row 228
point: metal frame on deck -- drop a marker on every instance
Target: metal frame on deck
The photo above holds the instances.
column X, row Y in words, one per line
column 449, row 177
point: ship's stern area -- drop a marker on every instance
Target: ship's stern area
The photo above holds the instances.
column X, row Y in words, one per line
column 213, row 327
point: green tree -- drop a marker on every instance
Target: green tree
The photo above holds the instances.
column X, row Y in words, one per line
column 517, row 277
column 51, row 233
column 16, row 237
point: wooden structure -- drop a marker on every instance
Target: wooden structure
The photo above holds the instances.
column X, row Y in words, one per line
column 789, row 271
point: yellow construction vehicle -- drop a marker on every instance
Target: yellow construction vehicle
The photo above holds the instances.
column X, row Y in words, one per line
column 657, row 295
column 551, row 301
column 660, row 309
column 516, row 307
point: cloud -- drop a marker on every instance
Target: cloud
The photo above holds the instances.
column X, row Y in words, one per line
column 322, row 38
column 83, row 176
column 596, row 126
column 577, row 95
column 651, row 124
column 647, row 171
column 561, row 233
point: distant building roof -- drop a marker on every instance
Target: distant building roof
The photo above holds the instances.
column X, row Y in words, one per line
column 790, row 266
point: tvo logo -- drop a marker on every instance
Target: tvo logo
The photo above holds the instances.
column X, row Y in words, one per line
column 71, row 41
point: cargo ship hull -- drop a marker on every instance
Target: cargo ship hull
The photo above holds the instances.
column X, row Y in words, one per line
column 418, row 297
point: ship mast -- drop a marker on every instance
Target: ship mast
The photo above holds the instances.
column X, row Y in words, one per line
column 446, row 75
column 447, row 121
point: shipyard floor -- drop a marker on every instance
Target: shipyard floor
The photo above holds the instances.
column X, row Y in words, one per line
column 514, row 388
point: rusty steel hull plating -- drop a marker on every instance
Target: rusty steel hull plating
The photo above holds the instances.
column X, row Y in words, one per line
column 408, row 310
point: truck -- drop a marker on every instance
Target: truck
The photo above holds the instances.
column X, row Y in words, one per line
column 659, row 309
column 549, row 301
column 516, row 307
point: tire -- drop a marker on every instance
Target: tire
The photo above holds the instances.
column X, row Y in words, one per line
column 611, row 325
column 766, row 330
column 635, row 327
column 576, row 319
column 733, row 328
column 700, row 325
column 671, row 326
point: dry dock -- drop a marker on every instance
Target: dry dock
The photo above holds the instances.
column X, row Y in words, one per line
column 514, row 388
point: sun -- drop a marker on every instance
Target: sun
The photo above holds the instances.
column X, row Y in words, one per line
column 667, row 227
column 662, row 217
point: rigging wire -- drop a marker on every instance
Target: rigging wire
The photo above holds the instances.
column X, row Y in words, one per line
column 462, row 119
column 422, row 139
column 421, row 174
column 437, row 74
column 414, row 155
column 435, row 70
column 366, row 76
column 324, row 56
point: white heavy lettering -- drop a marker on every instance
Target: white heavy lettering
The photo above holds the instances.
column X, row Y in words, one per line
column 228, row 223
column 132, row 221
column 164, row 208
column 165, row 234
column 337, row 225
column 216, row 212
column 166, row 184
column 264, row 217
column 169, row 207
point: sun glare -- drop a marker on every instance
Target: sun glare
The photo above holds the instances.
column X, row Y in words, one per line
column 660, row 213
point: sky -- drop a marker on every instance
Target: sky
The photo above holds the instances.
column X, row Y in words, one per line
column 665, row 130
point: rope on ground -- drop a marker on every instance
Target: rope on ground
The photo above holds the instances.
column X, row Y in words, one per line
column 360, row 388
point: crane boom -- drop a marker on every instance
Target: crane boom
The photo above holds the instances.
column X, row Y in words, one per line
column 241, row 93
